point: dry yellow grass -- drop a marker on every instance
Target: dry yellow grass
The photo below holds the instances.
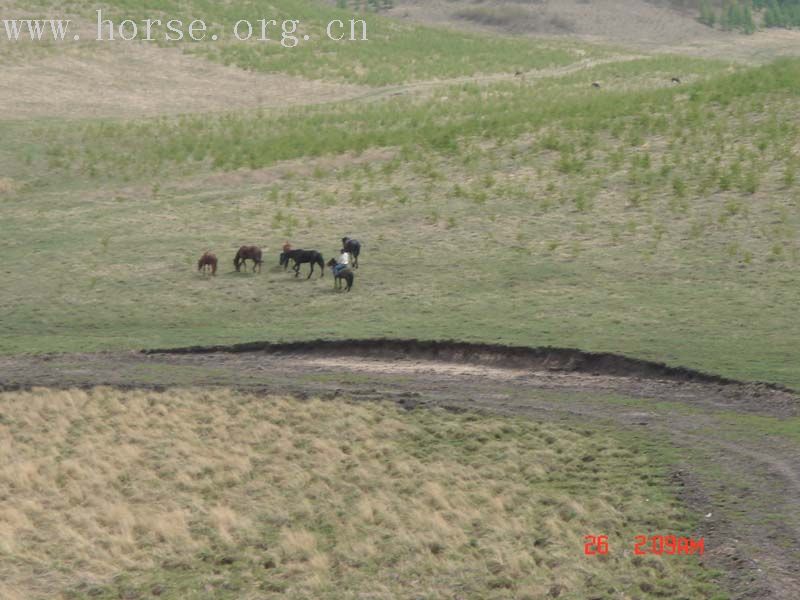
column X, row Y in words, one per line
column 6, row 185
column 83, row 83
column 106, row 492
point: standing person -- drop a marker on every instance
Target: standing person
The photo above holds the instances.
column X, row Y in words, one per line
column 353, row 247
column 344, row 257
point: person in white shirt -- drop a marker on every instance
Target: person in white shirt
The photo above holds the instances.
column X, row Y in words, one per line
column 354, row 248
column 343, row 262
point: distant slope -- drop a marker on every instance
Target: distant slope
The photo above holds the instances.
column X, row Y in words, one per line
column 660, row 25
column 619, row 20
column 394, row 52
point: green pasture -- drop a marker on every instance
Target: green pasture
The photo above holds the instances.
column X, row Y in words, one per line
column 644, row 218
column 394, row 52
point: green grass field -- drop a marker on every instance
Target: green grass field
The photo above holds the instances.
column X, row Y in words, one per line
column 645, row 219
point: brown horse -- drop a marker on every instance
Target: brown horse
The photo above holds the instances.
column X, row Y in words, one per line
column 248, row 252
column 207, row 260
column 339, row 274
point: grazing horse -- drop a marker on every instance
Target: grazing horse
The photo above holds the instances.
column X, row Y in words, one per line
column 339, row 274
column 595, row 84
column 284, row 260
column 207, row 260
column 676, row 80
column 303, row 256
column 353, row 247
column 248, row 252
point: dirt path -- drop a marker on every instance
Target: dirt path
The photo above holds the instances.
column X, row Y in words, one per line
column 747, row 482
column 431, row 85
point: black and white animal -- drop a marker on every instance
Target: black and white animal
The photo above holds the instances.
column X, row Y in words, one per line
column 353, row 247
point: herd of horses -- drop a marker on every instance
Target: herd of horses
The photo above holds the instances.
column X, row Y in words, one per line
column 208, row 261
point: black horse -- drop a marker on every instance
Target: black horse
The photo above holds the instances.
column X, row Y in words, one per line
column 283, row 261
column 345, row 274
column 303, row 256
column 353, row 247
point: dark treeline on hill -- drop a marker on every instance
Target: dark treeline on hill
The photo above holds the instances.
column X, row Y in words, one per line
column 780, row 13
column 732, row 15
column 738, row 15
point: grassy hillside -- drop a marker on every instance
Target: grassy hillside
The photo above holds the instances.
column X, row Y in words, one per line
column 192, row 493
column 395, row 52
column 644, row 218
column 499, row 197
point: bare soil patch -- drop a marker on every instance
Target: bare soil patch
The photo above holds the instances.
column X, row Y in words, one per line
column 543, row 367
column 136, row 79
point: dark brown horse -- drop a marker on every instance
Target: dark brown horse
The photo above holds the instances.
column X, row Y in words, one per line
column 208, row 260
column 248, row 253
column 339, row 274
